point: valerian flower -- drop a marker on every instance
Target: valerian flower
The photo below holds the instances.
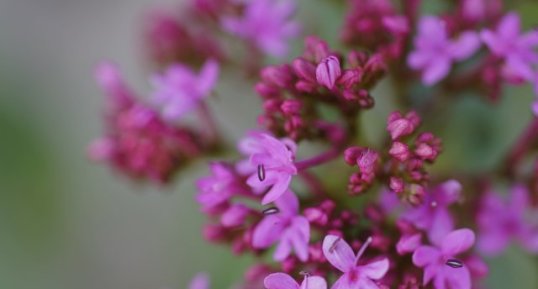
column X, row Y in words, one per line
column 501, row 220
column 440, row 263
column 341, row 256
column 433, row 215
column 284, row 281
column 180, row 90
column 219, row 187
column 270, row 164
column 435, row 52
column 518, row 50
column 266, row 24
column 285, row 226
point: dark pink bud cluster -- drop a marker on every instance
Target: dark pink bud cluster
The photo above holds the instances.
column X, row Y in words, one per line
column 367, row 160
column 293, row 93
column 405, row 166
column 137, row 141
column 168, row 40
column 376, row 25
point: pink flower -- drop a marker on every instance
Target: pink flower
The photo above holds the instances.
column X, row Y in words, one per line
column 341, row 256
column 328, row 71
column 267, row 24
column 285, row 226
column 270, row 164
column 218, row 188
column 501, row 220
column 434, row 52
column 200, row 281
column 179, row 90
column 518, row 50
column 433, row 215
column 440, row 263
column 284, row 281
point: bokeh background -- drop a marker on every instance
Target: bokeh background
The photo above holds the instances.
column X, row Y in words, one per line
column 68, row 223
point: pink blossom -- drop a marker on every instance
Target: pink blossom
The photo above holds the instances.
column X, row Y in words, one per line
column 518, row 50
column 179, row 90
column 270, row 164
column 218, row 188
column 341, row 256
column 501, row 220
column 287, row 227
column 267, row 24
column 328, row 71
column 440, row 263
column 284, row 281
column 433, row 215
column 435, row 52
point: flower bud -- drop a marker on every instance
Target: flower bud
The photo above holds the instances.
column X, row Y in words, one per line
column 328, row 71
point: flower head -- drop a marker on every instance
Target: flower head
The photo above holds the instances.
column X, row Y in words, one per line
column 440, row 263
column 267, row 24
column 270, row 164
column 285, row 226
column 435, row 52
column 433, row 215
column 284, row 281
column 518, row 50
column 501, row 220
column 341, row 256
column 179, row 90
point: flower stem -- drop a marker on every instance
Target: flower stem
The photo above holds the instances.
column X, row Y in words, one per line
column 523, row 144
column 317, row 160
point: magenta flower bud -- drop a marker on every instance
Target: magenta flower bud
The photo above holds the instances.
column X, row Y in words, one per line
column 328, row 71
column 291, row 106
column 399, row 151
column 306, row 86
column 304, row 69
column 316, row 48
column 279, row 76
column 367, row 160
column 396, row 185
column 316, row 216
column 425, row 151
column 351, row 154
column 267, row 91
column 399, row 126
column 234, row 216
column 350, row 77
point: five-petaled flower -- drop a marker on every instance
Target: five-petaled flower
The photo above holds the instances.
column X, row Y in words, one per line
column 435, row 52
column 285, row 226
column 500, row 220
column 284, row 281
column 518, row 50
column 270, row 164
column 266, row 24
column 440, row 263
column 179, row 90
column 341, row 256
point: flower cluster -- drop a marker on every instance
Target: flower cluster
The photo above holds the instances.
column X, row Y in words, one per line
column 408, row 221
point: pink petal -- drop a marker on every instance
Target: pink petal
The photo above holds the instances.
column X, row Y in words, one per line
column 375, row 270
column 519, row 200
column 408, row 243
column 300, row 237
column 338, row 253
column 418, row 60
column 450, row 192
column 492, row 242
column 496, row 45
column 442, row 224
column 314, row 282
column 208, row 77
column 457, row 277
column 268, row 231
column 280, row 281
column 457, row 242
column 277, row 190
column 426, row 255
column 509, row 27
column 283, row 250
column 463, row 47
column 200, row 281
column 436, row 70
column 288, row 203
column 429, row 273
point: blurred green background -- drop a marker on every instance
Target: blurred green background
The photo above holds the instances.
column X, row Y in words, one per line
column 68, row 223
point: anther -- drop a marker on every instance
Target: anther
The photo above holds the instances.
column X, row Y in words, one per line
column 271, row 211
column 261, row 173
column 454, row 263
